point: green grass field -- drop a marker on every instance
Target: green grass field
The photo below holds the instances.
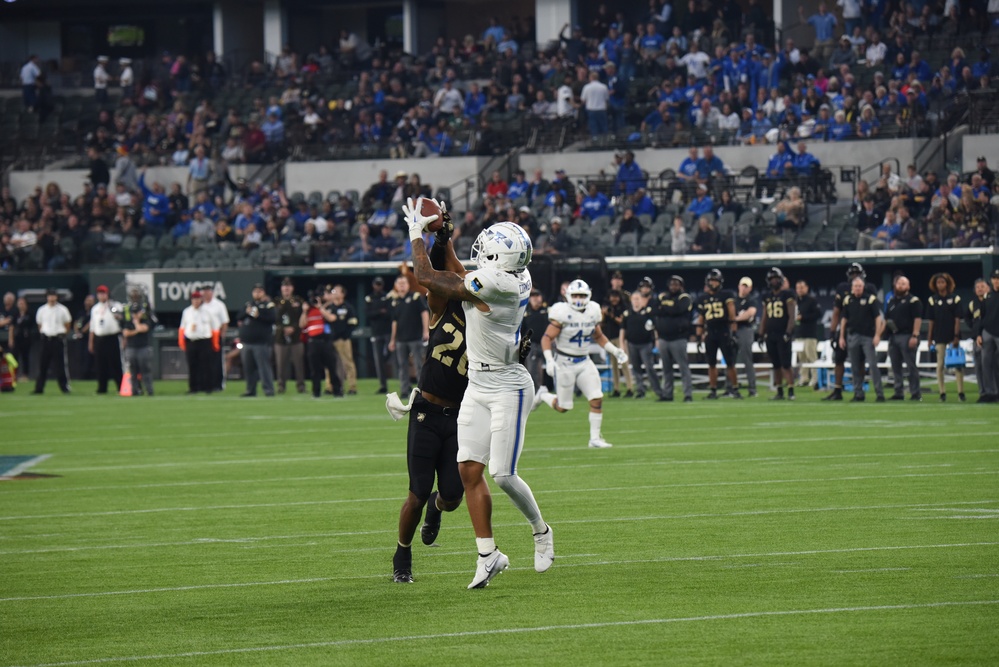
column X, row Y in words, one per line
column 227, row 531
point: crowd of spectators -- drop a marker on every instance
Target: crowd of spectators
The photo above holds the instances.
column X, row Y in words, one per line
column 714, row 81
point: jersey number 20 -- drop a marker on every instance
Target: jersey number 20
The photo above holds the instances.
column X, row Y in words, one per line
column 444, row 352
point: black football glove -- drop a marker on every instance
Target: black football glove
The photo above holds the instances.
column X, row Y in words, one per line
column 525, row 345
column 788, row 337
column 443, row 235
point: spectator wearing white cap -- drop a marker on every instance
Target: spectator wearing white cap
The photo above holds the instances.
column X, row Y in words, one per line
column 101, row 79
column 126, row 77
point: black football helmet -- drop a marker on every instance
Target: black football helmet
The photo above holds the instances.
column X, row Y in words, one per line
column 855, row 271
column 678, row 279
column 714, row 275
column 775, row 277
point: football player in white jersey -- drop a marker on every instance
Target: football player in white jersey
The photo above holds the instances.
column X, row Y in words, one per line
column 493, row 413
column 574, row 324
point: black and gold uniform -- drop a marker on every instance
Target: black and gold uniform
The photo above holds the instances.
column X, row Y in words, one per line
column 713, row 307
column 778, row 313
column 842, row 291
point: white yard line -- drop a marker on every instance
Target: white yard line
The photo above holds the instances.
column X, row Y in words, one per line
column 617, row 519
column 516, row 631
column 603, row 563
column 762, row 482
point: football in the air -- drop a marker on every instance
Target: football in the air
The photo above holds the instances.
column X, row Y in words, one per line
column 428, row 208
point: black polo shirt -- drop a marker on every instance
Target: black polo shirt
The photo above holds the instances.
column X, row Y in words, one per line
column 407, row 314
column 639, row 325
column 861, row 314
column 943, row 311
column 989, row 321
column 745, row 303
column 903, row 311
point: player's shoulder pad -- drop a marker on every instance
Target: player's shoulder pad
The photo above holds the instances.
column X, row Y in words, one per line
column 593, row 310
column 558, row 312
column 484, row 283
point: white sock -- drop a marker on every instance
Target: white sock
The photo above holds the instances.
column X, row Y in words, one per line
column 547, row 397
column 485, row 545
column 596, row 419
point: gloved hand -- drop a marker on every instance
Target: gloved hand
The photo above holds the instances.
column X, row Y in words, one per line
column 415, row 221
column 788, row 337
column 395, row 407
column 525, row 345
column 549, row 363
column 443, row 235
column 622, row 356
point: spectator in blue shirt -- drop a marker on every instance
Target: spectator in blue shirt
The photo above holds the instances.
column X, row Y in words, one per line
column 183, row 226
column 919, row 67
column 824, row 25
column 983, row 67
column 710, row 166
column 688, row 168
column 475, row 101
column 518, row 188
column 642, row 204
column 495, row 31
column 629, row 175
column 273, row 130
column 155, row 205
column 805, row 162
column 595, row 204
column 868, row 126
column 507, row 44
column 840, row 129
column 702, row 204
column 761, row 125
column 779, row 160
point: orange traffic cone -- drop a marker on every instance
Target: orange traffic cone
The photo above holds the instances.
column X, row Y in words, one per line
column 126, row 384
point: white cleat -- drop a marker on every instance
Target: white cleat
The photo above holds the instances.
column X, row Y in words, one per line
column 488, row 567
column 544, row 550
column 599, row 443
column 538, row 398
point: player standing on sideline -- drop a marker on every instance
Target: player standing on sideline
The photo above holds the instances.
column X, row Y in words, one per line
column 717, row 329
column 573, row 326
column 843, row 290
column 432, row 440
column 494, row 410
column 777, row 324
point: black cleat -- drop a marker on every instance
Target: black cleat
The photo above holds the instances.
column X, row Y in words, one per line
column 402, row 565
column 879, row 399
column 640, row 395
column 615, row 394
column 432, row 522
column 688, row 399
column 916, row 397
column 836, row 395
column 712, row 395
column 860, row 399
column 402, row 577
column 629, row 394
column 898, row 397
column 777, row 397
column 961, row 397
column 666, row 398
column 943, row 398
column 734, row 394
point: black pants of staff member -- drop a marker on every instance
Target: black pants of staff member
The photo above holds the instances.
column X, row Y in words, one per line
column 201, row 373
column 107, row 356
column 322, row 358
column 217, row 372
column 53, row 352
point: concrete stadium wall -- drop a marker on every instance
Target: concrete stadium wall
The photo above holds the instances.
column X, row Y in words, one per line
column 860, row 153
column 443, row 172
column 980, row 144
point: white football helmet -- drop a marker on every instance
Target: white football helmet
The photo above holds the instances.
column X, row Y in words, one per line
column 578, row 294
column 504, row 245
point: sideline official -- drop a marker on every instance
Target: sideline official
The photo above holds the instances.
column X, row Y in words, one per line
column 256, row 331
column 904, row 318
column 378, row 310
column 54, row 322
column 288, row 347
column 195, row 338
column 103, row 343
column 860, row 328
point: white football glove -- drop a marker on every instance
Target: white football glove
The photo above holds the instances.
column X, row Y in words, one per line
column 416, row 222
column 622, row 356
column 549, row 363
column 441, row 205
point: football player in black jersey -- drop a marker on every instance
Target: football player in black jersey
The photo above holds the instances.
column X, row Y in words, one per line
column 777, row 324
column 716, row 328
column 839, row 355
column 432, row 446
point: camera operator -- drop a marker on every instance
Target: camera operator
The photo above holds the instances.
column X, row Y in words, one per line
column 315, row 322
column 256, row 331
column 103, row 339
column 137, row 322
